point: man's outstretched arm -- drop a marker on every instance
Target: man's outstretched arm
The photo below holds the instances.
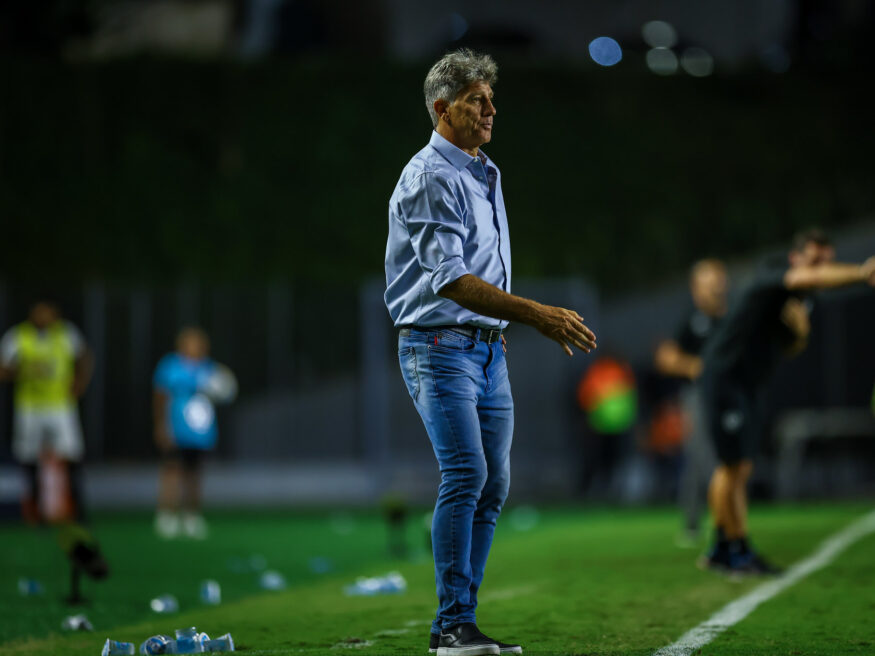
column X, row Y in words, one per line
column 671, row 360
column 832, row 274
column 563, row 326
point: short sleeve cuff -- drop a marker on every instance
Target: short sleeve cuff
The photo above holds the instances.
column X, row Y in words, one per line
column 446, row 272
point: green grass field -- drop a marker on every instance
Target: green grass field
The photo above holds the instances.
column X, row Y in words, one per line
column 580, row 581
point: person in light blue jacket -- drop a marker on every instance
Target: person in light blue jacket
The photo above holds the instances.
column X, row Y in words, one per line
column 186, row 384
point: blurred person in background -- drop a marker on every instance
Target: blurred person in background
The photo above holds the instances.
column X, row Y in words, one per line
column 51, row 366
column 681, row 357
column 186, row 383
column 448, row 274
column 768, row 322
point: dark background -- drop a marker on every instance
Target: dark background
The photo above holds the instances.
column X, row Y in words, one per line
column 164, row 163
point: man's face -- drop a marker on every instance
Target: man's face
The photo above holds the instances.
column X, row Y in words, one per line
column 709, row 287
column 812, row 254
column 471, row 115
column 43, row 315
column 193, row 344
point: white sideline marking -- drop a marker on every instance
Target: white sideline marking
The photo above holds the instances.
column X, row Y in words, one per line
column 508, row 593
column 353, row 645
column 411, row 623
column 386, row 633
column 737, row 610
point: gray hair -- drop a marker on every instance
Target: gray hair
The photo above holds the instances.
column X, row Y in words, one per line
column 452, row 73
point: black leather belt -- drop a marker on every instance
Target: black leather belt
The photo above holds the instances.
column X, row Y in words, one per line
column 488, row 335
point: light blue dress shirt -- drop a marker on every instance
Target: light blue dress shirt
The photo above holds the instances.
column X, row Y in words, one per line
column 446, row 219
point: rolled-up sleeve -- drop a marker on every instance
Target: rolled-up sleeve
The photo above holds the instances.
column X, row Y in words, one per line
column 436, row 225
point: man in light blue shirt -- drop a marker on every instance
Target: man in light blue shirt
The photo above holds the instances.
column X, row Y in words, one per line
column 449, row 221
column 448, row 276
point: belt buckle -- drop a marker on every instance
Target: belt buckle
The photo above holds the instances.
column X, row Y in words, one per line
column 491, row 337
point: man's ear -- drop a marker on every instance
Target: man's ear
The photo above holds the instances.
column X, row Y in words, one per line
column 442, row 109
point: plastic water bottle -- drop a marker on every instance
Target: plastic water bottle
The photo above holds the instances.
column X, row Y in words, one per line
column 391, row 583
column 114, row 648
column 76, row 623
column 222, row 643
column 320, row 565
column 158, row 644
column 164, row 604
column 188, row 641
column 29, row 587
column 211, row 592
column 272, row 580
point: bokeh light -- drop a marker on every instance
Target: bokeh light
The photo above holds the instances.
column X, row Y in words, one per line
column 662, row 61
column 659, row 34
column 458, row 26
column 605, row 51
column 697, row 62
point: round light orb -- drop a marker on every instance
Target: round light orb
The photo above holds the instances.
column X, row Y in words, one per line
column 659, row 34
column 605, row 51
column 697, row 62
column 458, row 26
column 662, row 61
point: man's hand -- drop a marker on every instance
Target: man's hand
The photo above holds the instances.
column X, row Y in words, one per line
column 794, row 315
column 671, row 360
column 503, row 344
column 8, row 372
column 565, row 327
column 159, row 418
column 868, row 270
column 163, row 440
column 82, row 371
column 559, row 324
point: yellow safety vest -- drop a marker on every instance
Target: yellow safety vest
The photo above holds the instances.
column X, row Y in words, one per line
column 45, row 367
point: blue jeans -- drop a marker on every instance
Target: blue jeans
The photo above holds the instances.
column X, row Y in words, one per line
column 461, row 390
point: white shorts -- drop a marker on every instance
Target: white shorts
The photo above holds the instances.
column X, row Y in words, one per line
column 56, row 430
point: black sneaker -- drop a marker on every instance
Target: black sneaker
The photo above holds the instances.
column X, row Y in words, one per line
column 507, row 648
column 465, row 640
column 717, row 560
column 757, row 565
column 750, row 562
column 503, row 647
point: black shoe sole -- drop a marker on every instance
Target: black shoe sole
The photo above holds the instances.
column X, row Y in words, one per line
column 469, row 650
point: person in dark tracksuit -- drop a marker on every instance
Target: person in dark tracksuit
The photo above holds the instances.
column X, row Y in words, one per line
column 681, row 357
column 768, row 322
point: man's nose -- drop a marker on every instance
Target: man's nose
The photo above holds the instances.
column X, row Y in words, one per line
column 489, row 108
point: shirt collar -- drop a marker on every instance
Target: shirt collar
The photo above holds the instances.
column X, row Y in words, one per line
column 453, row 154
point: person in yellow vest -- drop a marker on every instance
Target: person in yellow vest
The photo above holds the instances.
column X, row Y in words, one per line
column 50, row 364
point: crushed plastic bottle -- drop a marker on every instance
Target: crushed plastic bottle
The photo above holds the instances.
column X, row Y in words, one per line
column 117, row 648
column 76, row 623
column 272, row 580
column 391, row 583
column 256, row 562
column 211, row 592
column 29, row 587
column 222, row 643
column 189, row 641
column 166, row 603
column 158, row 644
column 320, row 565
